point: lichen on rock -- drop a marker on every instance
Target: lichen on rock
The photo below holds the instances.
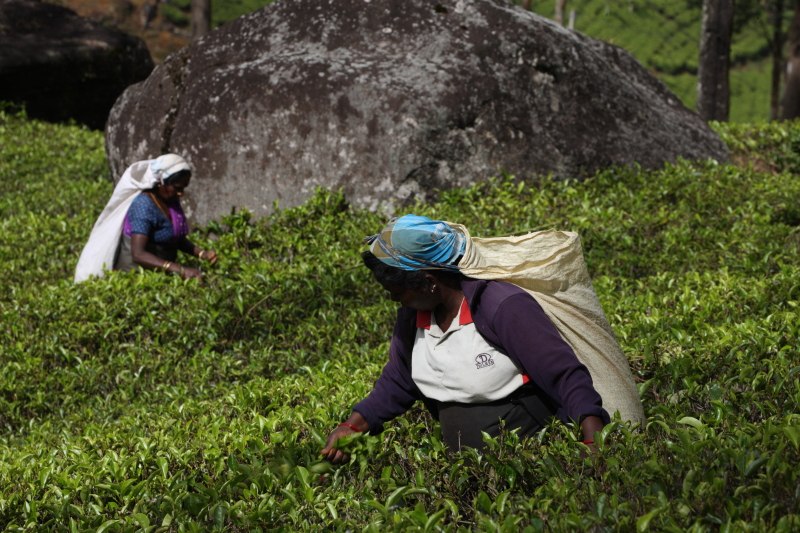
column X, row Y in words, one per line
column 394, row 100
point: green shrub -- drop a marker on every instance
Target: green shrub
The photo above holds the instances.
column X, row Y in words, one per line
column 222, row 12
column 177, row 15
column 142, row 402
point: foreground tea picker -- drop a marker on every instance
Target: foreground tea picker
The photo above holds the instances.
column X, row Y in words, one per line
column 143, row 223
column 504, row 329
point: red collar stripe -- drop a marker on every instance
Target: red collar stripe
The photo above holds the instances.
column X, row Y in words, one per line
column 466, row 315
column 424, row 319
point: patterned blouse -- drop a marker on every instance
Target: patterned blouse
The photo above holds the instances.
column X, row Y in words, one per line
column 146, row 218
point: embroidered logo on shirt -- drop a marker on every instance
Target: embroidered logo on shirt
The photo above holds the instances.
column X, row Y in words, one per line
column 483, row 360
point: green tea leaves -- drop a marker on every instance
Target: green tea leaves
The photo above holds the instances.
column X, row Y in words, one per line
column 144, row 403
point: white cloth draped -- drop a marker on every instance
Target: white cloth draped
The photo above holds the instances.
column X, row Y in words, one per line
column 98, row 254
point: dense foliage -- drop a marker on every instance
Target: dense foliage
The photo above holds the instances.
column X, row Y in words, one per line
column 142, row 402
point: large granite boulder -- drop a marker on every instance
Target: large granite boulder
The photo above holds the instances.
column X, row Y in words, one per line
column 393, row 99
column 63, row 66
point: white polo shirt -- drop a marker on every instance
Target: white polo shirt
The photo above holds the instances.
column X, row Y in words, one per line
column 459, row 365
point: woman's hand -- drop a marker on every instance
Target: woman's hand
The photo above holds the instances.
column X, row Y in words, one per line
column 208, row 255
column 332, row 454
column 188, row 272
column 338, row 456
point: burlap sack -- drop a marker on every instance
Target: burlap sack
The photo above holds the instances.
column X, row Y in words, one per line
column 550, row 266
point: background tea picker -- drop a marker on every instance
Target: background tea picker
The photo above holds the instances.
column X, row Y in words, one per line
column 143, row 223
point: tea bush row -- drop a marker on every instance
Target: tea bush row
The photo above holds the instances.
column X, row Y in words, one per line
column 142, row 402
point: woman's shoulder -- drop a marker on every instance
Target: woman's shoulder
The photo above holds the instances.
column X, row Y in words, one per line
column 143, row 199
column 143, row 205
column 406, row 315
column 493, row 289
column 488, row 296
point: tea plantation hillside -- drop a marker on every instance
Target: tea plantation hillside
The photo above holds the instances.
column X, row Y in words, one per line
column 664, row 36
column 146, row 403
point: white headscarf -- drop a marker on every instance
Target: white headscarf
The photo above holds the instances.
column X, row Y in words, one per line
column 168, row 164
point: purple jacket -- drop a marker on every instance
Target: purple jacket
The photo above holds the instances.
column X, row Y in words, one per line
column 513, row 322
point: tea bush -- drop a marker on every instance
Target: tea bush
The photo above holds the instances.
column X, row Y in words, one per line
column 142, row 402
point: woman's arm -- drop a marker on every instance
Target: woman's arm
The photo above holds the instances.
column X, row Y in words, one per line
column 142, row 257
column 394, row 392
column 391, row 397
column 589, row 426
column 188, row 247
column 529, row 338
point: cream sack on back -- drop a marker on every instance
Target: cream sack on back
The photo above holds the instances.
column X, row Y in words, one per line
column 549, row 265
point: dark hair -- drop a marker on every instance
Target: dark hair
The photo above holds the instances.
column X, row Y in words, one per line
column 415, row 279
column 178, row 176
column 393, row 277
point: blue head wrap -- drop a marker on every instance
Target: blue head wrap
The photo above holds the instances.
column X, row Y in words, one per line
column 413, row 242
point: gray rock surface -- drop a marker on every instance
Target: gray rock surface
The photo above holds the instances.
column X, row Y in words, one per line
column 393, row 99
column 64, row 66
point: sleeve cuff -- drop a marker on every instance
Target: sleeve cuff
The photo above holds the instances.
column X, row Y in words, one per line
column 592, row 410
column 363, row 408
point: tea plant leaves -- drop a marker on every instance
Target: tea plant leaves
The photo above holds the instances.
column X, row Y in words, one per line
column 643, row 523
column 695, row 423
column 142, row 402
column 793, row 434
